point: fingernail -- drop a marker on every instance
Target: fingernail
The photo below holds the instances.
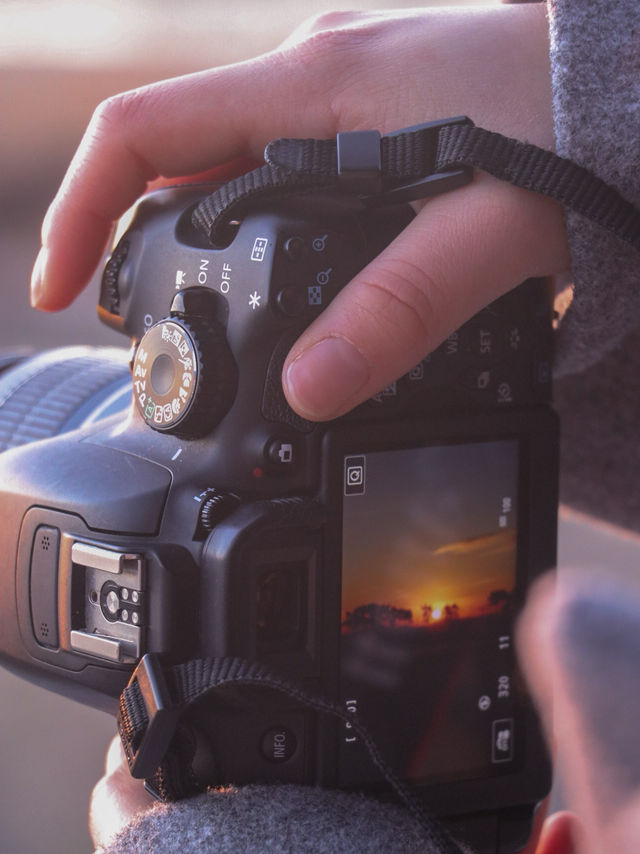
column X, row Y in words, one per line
column 37, row 278
column 324, row 379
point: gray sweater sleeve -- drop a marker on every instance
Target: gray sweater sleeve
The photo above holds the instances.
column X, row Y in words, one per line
column 595, row 55
column 275, row 819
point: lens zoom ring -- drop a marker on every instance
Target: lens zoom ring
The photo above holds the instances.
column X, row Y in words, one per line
column 45, row 397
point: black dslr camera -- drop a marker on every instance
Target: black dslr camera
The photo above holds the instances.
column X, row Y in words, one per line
column 378, row 560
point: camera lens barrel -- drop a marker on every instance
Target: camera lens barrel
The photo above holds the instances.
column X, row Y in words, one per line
column 60, row 390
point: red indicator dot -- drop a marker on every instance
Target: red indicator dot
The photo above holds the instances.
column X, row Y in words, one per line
column 257, row 472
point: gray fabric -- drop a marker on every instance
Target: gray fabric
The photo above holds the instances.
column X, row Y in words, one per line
column 273, row 819
column 600, row 447
column 595, row 56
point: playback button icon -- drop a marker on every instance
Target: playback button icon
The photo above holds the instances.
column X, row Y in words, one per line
column 354, row 475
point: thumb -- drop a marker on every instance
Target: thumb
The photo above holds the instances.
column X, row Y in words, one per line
column 561, row 834
column 462, row 251
column 580, row 644
column 116, row 798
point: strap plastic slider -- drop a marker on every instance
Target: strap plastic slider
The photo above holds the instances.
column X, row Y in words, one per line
column 432, row 183
column 162, row 719
column 360, row 162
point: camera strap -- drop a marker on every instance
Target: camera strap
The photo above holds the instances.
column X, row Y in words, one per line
column 161, row 751
column 411, row 164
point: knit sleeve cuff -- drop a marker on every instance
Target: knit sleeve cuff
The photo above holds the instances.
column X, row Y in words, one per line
column 595, row 64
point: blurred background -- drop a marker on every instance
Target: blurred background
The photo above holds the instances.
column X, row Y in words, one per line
column 58, row 60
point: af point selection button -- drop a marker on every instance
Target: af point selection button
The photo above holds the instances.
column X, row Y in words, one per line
column 278, row 744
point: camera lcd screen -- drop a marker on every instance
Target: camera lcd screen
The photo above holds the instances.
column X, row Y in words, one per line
column 429, row 572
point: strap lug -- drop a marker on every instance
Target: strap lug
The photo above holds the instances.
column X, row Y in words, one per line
column 162, row 719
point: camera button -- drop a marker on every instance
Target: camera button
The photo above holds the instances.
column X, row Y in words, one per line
column 497, row 385
column 485, row 336
column 502, row 741
column 278, row 744
column 281, row 453
column 388, row 397
column 295, row 248
column 426, row 375
column 291, row 301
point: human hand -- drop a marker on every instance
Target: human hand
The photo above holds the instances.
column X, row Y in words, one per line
column 345, row 71
column 116, row 798
column 579, row 642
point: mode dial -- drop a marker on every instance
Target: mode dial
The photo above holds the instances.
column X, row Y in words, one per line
column 184, row 376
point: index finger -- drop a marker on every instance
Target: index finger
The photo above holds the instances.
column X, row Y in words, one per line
column 173, row 128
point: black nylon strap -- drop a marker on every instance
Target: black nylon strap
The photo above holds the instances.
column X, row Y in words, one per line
column 405, row 155
column 296, row 166
column 409, row 159
column 185, row 683
column 268, row 182
column 544, row 172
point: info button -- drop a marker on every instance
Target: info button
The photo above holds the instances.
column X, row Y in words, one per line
column 278, row 744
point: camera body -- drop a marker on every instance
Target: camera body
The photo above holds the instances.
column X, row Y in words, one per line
column 378, row 560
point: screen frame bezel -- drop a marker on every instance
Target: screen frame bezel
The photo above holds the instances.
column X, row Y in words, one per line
column 536, row 431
